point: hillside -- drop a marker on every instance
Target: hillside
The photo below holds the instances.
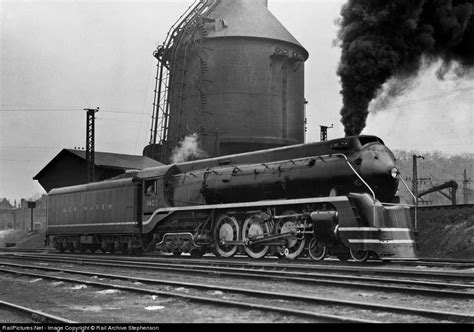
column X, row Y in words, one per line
column 436, row 168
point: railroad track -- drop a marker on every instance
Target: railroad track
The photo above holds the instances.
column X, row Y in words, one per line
column 439, row 262
column 336, row 274
column 34, row 315
column 318, row 317
column 427, row 288
column 29, row 250
column 295, row 304
column 428, row 262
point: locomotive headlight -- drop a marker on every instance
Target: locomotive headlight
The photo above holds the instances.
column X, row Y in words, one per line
column 394, row 172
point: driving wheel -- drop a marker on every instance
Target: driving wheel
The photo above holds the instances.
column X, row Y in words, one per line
column 227, row 229
column 255, row 228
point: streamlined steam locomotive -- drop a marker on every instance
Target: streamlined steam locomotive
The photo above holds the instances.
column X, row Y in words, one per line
column 313, row 199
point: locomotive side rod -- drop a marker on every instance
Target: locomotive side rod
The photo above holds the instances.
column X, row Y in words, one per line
column 263, row 240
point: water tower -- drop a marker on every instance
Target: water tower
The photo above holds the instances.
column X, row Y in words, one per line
column 230, row 72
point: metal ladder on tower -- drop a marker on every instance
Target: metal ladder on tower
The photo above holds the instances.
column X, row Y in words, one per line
column 165, row 54
column 203, row 73
column 191, row 38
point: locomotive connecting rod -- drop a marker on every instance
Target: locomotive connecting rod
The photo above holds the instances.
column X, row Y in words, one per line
column 263, row 240
column 292, row 233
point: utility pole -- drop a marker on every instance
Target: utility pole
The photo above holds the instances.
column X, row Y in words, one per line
column 305, row 120
column 465, row 188
column 415, row 178
column 324, row 132
column 31, row 206
column 90, row 144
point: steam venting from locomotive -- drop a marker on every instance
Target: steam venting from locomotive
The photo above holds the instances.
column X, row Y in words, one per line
column 385, row 44
column 188, row 149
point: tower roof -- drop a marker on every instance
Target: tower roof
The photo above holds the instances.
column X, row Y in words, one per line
column 249, row 18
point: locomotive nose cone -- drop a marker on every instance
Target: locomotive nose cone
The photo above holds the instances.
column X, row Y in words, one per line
column 378, row 169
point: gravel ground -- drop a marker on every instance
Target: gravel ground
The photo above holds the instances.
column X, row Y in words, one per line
column 94, row 305
column 11, row 317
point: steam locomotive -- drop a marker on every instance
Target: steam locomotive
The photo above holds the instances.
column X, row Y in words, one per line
column 313, row 199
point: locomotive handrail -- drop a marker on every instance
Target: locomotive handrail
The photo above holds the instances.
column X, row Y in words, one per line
column 397, row 204
column 358, row 175
column 360, row 178
column 373, row 194
column 414, row 198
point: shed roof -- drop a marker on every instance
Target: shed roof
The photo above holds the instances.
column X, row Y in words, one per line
column 107, row 160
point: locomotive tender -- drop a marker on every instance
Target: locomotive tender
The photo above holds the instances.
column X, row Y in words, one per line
column 310, row 199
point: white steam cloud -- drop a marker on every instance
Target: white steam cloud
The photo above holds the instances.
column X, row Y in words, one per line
column 188, row 149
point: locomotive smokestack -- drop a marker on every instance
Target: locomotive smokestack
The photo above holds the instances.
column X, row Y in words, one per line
column 387, row 40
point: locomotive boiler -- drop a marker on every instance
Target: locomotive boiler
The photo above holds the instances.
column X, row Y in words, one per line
column 310, row 199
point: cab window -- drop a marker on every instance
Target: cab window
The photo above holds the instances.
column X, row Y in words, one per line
column 225, row 162
column 341, row 145
column 150, row 187
column 369, row 139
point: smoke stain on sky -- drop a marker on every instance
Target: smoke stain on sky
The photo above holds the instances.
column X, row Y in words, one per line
column 387, row 42
column 441, row 110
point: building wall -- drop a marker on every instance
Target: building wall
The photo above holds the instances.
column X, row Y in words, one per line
column 7, row 218
column 20, row 217
column 23, row 215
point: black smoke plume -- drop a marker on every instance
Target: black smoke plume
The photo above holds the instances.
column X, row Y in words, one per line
column 384, row 40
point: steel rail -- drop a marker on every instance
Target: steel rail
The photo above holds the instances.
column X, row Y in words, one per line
column 230, row 265
column 359, row 269
column 214, row 301
column 428, row 262
column 441, row 274
column 35, row 315
column 323, row 279
column 312, row 265
column 425, row 261
column 314, row 278
column 432, row 262
column 256, row 293
column 449, row 261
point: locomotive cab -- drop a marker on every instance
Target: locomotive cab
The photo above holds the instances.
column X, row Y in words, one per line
column 156, row 189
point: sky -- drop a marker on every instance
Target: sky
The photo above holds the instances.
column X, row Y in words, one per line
column 58, row 57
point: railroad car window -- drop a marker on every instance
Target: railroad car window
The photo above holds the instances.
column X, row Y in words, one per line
column 150, row 187
column 341, row 145
column 367, row 140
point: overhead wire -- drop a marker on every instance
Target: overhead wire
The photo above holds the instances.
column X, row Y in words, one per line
column 60, row 109
column 429, row 98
